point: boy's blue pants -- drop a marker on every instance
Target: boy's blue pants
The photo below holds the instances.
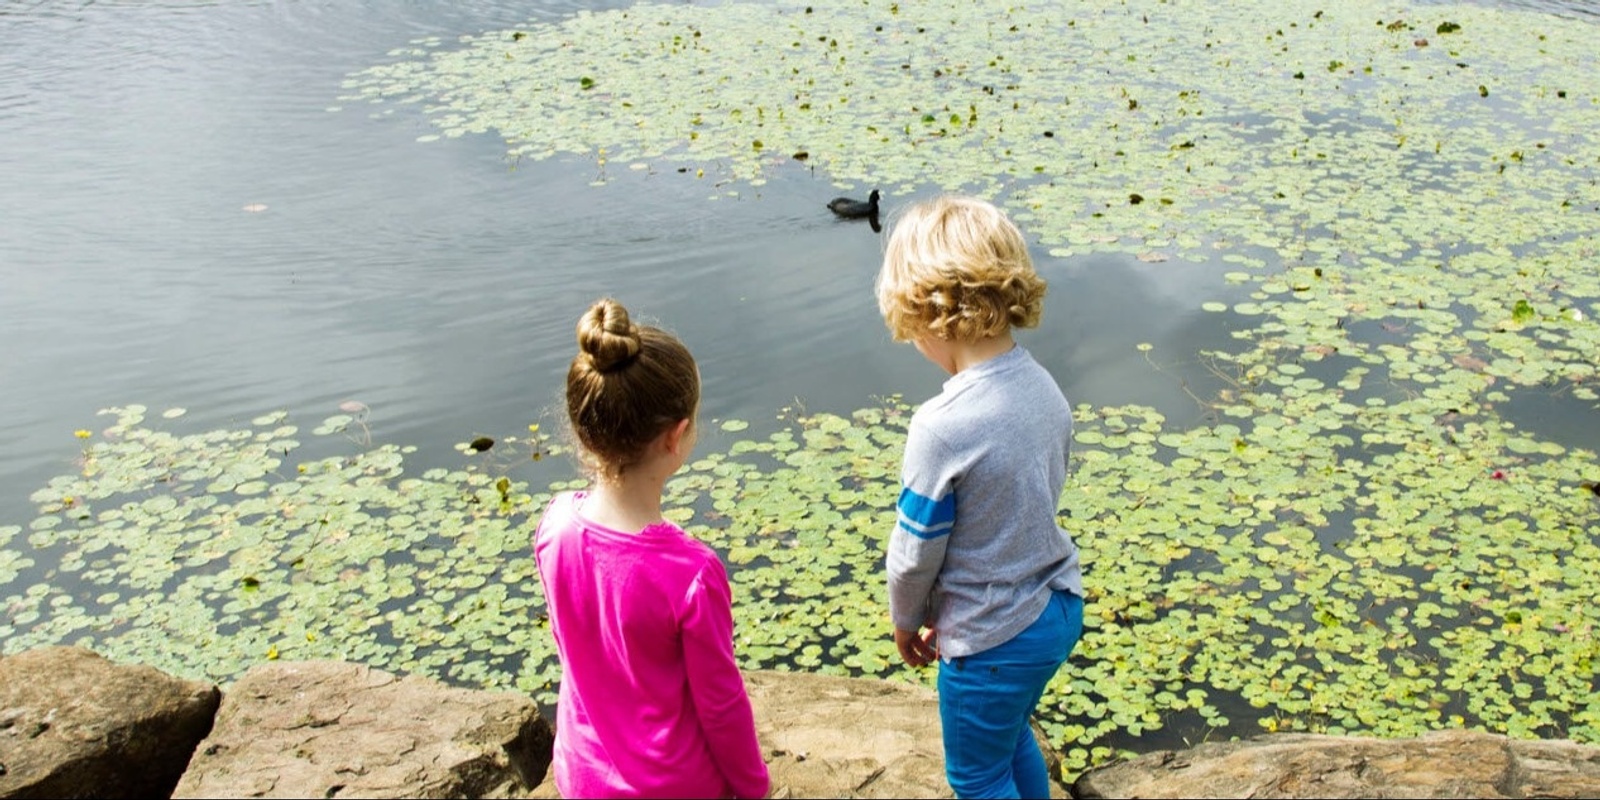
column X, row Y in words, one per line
column 986, row 700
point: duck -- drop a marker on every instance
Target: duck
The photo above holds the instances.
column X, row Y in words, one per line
column 855, row 209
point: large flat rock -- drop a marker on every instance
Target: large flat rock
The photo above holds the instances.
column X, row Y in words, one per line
column 73, row 724
column 1442, row 764
column 825, row 736
column 334, row 729
column 842, row 737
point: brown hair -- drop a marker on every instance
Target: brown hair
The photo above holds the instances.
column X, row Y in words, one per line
column 956, row 268
column 627, row 384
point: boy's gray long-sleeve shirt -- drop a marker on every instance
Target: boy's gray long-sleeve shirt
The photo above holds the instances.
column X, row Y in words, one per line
column 976, row 550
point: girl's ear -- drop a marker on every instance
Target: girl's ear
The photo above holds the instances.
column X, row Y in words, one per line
column 674, row 435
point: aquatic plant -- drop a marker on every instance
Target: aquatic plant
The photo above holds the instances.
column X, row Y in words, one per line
column 1409, row 196
column 1353, row 569
column 1405, row 202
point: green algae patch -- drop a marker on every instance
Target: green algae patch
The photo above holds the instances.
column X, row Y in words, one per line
column 1372, row 168
column 1323, row 566
column 1356, row 539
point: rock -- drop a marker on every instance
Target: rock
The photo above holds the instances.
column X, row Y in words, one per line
column 1443, row 764
column 73, row 724
column 332, row 729
column 826, row 736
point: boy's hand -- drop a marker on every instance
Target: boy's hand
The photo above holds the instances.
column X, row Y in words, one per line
column 917, row 650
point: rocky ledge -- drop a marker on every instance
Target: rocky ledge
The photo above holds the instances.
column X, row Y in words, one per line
column 73, row 724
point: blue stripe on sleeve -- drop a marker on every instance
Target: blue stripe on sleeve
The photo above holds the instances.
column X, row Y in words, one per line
column 924, row 517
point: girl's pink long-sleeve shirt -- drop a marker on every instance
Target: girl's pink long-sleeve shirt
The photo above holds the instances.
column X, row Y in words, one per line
column 652, row 703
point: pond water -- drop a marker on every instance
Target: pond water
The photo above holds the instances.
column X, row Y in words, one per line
column 438, row 285
column 190, row 216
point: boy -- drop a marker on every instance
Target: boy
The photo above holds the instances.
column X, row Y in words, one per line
column 981, row 577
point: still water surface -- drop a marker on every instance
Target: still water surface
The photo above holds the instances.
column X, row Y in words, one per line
column 188, row 218
column 436, row 283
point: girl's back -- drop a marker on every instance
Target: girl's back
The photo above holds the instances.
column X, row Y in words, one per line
column 632, row 614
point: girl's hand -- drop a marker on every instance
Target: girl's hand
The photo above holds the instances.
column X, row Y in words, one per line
column 917, row 650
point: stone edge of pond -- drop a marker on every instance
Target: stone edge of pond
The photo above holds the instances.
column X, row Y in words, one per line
column 73, row 723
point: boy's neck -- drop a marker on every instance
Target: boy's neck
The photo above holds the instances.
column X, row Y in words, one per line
column 964, row 355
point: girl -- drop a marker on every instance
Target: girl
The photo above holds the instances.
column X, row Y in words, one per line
column 652, row 703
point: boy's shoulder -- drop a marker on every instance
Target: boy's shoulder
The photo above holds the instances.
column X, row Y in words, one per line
column 1010, row 378
column 1016, row 392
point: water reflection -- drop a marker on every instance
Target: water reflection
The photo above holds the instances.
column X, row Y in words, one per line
column 437, row 283
column 1573, row 9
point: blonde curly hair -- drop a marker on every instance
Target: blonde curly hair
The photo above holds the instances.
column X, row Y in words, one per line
column 956, row 268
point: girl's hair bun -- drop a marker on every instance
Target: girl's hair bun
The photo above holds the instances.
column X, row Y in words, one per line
column 626, row 385
column 606, row 337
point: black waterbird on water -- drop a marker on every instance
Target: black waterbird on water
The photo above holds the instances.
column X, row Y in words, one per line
column 855, row 209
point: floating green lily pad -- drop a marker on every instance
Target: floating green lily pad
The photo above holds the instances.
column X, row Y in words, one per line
column 1355, row 540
